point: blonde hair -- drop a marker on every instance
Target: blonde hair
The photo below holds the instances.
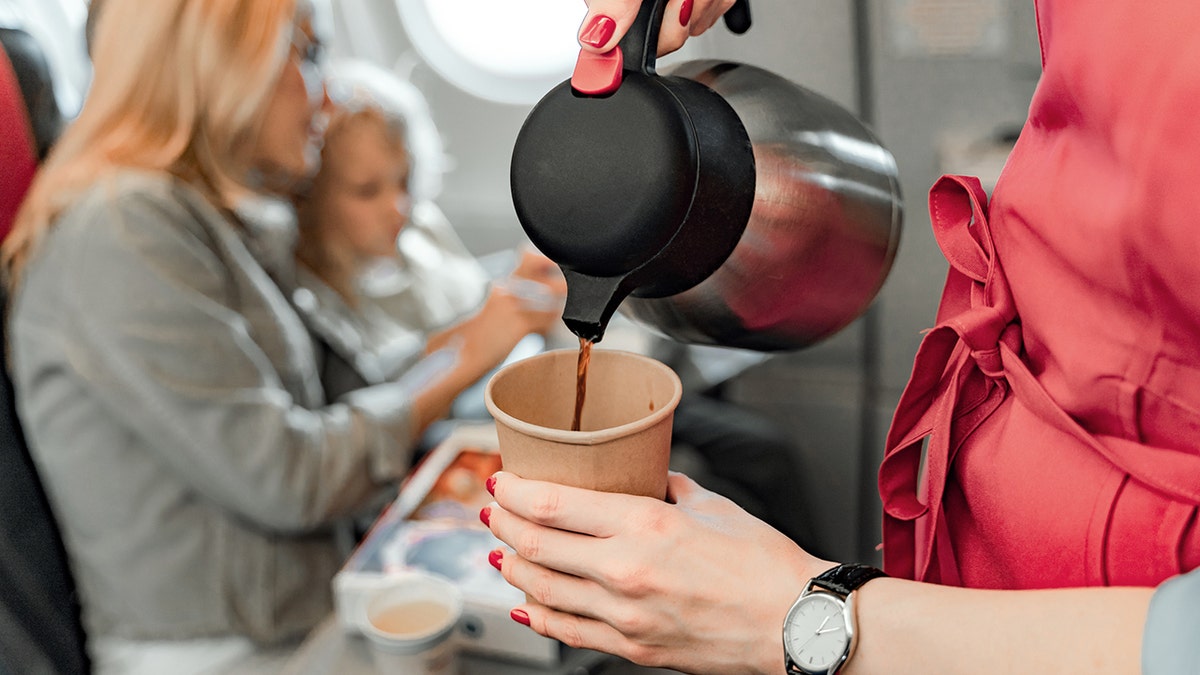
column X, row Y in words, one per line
column 357, row 112
column 179, row 86
column 352, row 79
column 310, row 248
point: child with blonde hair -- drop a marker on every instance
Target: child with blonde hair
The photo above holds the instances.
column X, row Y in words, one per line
column 352, row 216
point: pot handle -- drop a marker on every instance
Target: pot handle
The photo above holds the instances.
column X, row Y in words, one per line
column 737, row 18
column 640, row 44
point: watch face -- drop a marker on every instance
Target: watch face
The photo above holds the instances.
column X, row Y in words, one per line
column 815, row 633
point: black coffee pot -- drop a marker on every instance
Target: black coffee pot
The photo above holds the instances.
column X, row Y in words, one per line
column 719, row 204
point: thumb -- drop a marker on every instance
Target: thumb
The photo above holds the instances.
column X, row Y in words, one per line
column 681, row 488
column 606, row 23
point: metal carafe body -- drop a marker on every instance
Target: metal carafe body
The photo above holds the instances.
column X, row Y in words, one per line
column 821, row 236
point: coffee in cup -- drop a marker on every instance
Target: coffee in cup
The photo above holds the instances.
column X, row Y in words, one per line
column 410, row 622
column 624, row 441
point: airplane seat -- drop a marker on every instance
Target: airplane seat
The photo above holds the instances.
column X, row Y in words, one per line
column 28, row 61
column 18, row 151
column 41, row 630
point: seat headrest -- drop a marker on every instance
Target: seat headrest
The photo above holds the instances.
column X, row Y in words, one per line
column 28, row 61
column 18, row 156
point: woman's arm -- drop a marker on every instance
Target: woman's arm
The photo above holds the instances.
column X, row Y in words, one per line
column 910, row 627
column 703, row 587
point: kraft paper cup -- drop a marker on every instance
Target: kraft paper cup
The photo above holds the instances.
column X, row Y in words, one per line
column 410, row 624
column 624, row 442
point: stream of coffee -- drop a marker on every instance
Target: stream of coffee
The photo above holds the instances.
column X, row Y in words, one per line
column 581, row 369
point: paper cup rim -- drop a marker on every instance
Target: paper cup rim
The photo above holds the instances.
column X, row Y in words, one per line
column 595, row 437
column 415, row 642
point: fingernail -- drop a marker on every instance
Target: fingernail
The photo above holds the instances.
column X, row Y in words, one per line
column 485, row 515
column 685, row 12
column 490, row 484
column 495, row 558
column 598, row 31
column 519, row 616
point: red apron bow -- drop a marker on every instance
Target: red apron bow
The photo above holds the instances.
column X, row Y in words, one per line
column 957, row 381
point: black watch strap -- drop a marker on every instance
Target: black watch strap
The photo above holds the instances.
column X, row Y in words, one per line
column 845, row 579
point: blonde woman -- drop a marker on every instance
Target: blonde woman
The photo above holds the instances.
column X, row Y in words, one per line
column 169, row 392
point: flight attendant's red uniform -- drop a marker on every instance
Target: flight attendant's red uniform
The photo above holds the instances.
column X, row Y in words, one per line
column 1057, row 402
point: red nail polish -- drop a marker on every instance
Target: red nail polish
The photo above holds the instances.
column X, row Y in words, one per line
column 685, row 12
column 495, row 558
column 485, row 515
column 490, row 484
column 519, row 616
column 598, row 31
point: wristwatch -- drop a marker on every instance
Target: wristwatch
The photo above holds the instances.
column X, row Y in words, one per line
column 819, row 633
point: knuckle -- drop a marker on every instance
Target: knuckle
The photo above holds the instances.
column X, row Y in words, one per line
column 546, row 507
column 528, row 544
column 630, row 623
column 569, row 633
column 642, row 654
column 630, row 579
column 541, row 588
column 660, row 520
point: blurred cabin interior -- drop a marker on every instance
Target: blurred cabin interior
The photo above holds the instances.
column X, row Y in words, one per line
column 945, row 84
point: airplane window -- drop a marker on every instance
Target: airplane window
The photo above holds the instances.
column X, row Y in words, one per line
column 510, row 52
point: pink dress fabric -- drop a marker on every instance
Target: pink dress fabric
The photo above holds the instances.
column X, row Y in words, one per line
column 1050, row 434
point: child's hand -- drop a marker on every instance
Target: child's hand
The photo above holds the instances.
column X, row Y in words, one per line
column 529, row 306
column 534, row 266
column 540, row 286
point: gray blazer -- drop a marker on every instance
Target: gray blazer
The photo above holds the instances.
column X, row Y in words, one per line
column 172, row 404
